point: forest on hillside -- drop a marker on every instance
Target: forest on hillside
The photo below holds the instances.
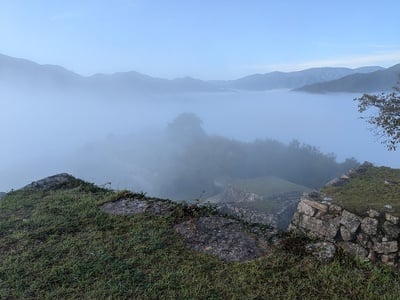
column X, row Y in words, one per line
column 184, row 162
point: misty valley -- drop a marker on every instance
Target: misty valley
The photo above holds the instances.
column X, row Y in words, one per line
column 191, row 146
column 129, row 142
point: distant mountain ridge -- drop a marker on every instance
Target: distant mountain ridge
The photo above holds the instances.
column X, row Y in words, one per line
column 291, row 80
column 16, row 73
column 380, row 80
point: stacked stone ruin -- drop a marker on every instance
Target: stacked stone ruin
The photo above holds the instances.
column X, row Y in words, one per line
column 372, row 236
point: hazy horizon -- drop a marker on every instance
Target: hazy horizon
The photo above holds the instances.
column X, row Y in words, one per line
column 205, row 40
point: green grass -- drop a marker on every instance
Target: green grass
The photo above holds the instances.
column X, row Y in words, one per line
column 368, row 190
column 268, row 186
column 59, row 245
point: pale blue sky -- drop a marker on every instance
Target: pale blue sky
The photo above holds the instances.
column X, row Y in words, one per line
column 204, row 39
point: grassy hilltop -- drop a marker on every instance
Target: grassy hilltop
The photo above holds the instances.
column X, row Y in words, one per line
column 55, row 243
column 370, row 187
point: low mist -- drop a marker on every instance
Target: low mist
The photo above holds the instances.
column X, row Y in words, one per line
column 182, row 146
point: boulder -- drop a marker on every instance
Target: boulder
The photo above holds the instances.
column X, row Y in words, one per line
column 391, row 231
column 304, row 208
column 346, row 234
column 386, row 247
column 350, row 221
column 320, row 228
column 369, row 225
column 364, row 240
column 51, row 182
column 394, row 220
column 335, row 209
column 320, row 206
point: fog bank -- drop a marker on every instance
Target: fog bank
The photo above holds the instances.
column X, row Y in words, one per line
column 45, row 134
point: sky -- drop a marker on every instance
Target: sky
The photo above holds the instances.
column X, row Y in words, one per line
column 205, row 39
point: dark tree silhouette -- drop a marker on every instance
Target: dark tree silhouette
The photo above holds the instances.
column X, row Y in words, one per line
column 385, row 115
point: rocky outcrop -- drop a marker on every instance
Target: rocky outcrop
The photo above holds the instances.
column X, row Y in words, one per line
column 371, row 236
column 225, row 238
column 51, row 182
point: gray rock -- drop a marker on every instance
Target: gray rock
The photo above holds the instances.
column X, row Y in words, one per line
column 318, row 205
column 364, row 240
column 310, row 223
column 392, row 231
column 369, row 225
column 394, row 220
column 372, row 213
column 50, row 182
column 335, row 209
column 304, row 208
column 346, row 234
column 386, row 247
column 323, row 251
column 319, row 228
column 354, row 249
column 222, row 237
column 350, row 221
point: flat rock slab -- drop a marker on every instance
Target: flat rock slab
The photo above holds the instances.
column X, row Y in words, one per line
column 133, row 206
column 222, row 237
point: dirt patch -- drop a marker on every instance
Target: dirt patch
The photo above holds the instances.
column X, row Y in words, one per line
column 226, row 238
column 132, row 206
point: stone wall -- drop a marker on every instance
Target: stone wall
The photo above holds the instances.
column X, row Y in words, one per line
column 371, row 236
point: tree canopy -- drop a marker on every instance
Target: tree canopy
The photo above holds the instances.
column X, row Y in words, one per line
column 385, row 115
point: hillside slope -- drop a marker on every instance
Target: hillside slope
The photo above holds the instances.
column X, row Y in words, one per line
column 378, row 81
column 296, row 79
column 370, row 187
column 56, row 243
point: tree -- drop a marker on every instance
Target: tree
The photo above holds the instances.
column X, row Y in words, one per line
column 185, row 129
column 386, row 115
